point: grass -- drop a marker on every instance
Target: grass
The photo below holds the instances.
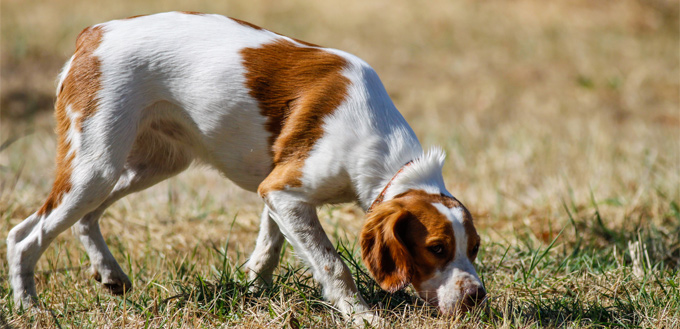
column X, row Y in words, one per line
column 557, row 285
column 561, row 121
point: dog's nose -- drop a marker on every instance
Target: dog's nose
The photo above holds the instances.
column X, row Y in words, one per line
column 474, row 296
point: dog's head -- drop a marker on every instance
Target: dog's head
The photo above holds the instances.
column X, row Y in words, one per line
column 426, row 240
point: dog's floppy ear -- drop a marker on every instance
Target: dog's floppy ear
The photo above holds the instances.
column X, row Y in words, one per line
column 382, row 247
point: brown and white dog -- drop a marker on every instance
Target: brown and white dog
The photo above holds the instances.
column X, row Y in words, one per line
column 302, row 125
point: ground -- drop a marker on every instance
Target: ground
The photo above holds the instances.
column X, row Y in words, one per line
column 561, row 120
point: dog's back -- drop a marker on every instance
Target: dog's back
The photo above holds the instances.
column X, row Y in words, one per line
column 226, row 92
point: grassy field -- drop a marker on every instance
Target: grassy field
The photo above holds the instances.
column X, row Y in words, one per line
column 561, row 120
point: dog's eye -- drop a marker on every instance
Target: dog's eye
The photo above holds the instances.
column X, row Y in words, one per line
column 475, row 249
column 437, row 249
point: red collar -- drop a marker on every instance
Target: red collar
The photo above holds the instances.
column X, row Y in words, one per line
column 381, row 196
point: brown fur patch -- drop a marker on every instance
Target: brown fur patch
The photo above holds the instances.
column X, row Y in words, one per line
column 244, row 23
column 473, row 237
column 296, row 88
column 83, row 80
column 450, row 202
column 192, row 12
column 421, row 226
column 248, row 24
column 308, row 44
column 79, row 91
column 136, row 16
column 383, row 249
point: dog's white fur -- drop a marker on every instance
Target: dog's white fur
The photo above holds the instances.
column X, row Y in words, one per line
column 187, row 69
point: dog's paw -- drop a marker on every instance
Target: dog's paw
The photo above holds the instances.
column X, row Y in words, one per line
column 257, row 283
column 114, row 285
column 117, row 288
column 368, row 320
column 28, row 303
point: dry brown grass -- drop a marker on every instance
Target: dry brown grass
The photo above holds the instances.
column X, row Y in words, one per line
column 542, row 106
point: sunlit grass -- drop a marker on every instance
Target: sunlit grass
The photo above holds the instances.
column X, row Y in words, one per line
column 563, row 283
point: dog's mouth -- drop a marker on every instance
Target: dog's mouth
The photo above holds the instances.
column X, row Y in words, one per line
column 472, row 300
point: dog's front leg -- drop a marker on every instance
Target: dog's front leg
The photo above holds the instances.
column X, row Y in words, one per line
column 301, row 227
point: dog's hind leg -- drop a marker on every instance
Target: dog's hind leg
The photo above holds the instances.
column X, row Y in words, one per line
column 265, row 257
column 95, row 131
column 86, row 173
column 154, row 158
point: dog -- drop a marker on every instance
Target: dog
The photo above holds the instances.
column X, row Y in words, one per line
column 301, row 125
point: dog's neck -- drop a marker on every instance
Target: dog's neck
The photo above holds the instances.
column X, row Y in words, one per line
column 423, row 172
column 379, row 199
column 384, row 145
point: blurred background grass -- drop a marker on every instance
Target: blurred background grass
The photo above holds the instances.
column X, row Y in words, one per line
column 533, row 100
column 552, row 112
